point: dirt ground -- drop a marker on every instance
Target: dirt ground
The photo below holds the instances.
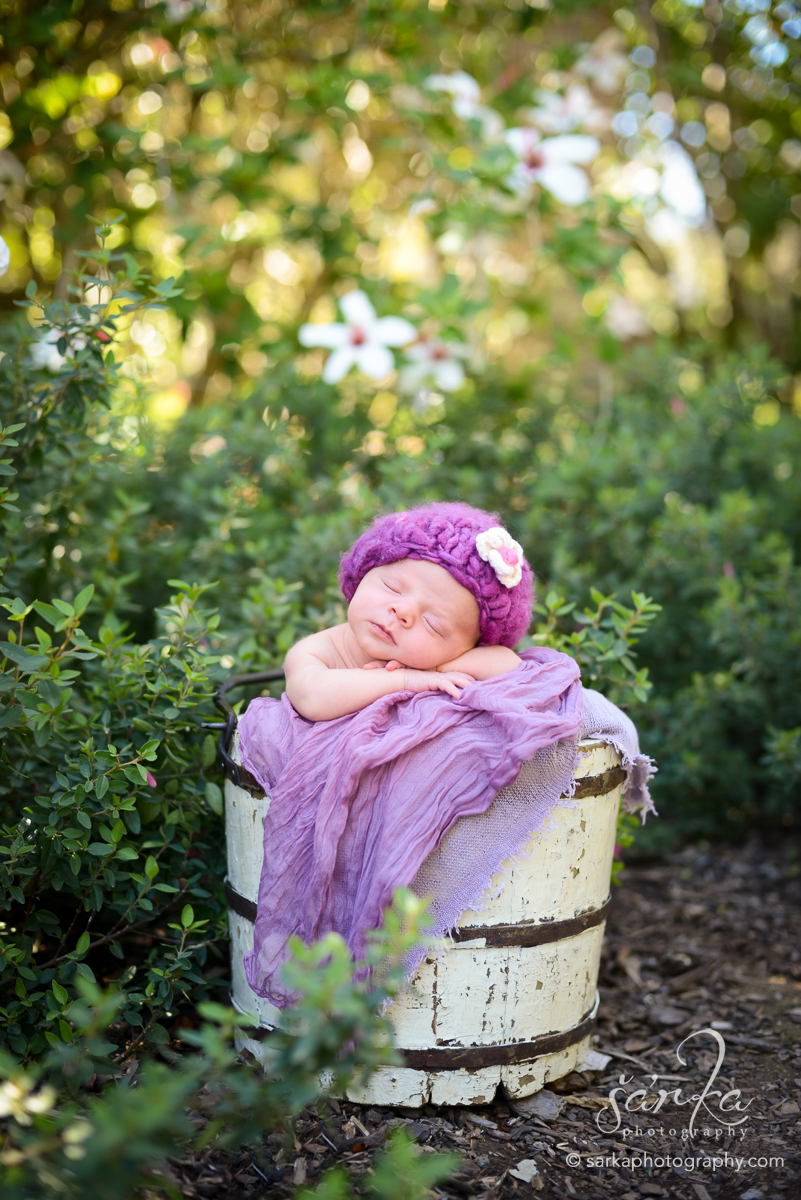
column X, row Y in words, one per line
column 710, row 939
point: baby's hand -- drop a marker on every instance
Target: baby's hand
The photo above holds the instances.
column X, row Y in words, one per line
column 435, row 681
column 425, row 681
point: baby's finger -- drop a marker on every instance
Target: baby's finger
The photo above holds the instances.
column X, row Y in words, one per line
column 461, row 678
column 394, row 665
column 373, row 666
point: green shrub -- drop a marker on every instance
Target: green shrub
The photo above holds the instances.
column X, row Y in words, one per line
column 60, row 1139
column 107, row 840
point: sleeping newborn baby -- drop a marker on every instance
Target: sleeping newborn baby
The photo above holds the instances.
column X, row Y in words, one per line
column 437, row 599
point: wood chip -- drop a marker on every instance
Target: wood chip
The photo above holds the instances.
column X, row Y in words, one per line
column 299, row 1172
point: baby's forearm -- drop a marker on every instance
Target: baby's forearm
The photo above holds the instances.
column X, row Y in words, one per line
column 484, row 662
column 324, row 695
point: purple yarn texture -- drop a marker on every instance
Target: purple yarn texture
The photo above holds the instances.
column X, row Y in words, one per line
column 445, row 534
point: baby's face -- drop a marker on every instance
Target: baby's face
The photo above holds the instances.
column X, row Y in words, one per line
column 415, row 612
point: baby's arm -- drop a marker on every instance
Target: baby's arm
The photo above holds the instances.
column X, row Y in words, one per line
column 320, row 691
column 484, row 662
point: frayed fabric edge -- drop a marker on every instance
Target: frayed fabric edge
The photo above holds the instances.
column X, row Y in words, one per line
column 636, row 795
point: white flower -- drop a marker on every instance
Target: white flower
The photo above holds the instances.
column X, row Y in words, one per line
column 624, row 319
column 605, row 63
column 562, row 114
column 551, row 163
column 434, row 360
column 681, row 188
column 5, row 257
column 45, row 355
column 503, row 553
column 362, row 342
column 466, row 101
column 424, row 207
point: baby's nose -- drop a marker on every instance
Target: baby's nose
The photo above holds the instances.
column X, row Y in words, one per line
column 402, row 611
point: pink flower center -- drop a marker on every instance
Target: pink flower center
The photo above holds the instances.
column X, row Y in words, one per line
column 508, row 556
column 357, row 336
column 534, row 159
column 438, row 353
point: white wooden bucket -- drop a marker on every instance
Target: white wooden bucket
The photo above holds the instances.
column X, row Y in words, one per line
column 513, row 1000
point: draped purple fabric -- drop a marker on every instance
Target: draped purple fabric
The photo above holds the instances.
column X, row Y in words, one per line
column 358, row 803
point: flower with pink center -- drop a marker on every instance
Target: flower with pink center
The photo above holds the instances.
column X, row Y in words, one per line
column 435, row 360
column 551, row 163
column 362, row 342
column 498, row 548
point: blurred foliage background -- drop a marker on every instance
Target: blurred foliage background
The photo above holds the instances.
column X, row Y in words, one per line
column 590, row 216
column 542, row 255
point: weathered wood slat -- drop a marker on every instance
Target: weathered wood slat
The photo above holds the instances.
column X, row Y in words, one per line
column 525, row 934
column 594, row 785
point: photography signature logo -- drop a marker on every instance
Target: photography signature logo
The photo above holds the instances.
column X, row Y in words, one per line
column 717, row 1105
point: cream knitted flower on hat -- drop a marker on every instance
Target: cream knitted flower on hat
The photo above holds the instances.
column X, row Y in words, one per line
column 503, row 553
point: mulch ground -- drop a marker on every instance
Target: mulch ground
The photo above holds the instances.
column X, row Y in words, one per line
column 709, row 939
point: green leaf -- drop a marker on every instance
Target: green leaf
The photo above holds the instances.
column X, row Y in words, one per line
column 187, row 916
column 30, row 289
column 158, row 1035
column 10, row 716
column 63, row 607
column 84, row 942
column 85, row 971
column 151, row 867
column 83, row 598
column 127, row 853
column 27, row 660
column 118, row 831
column 83, row 819
column 209, row 750
column 101, row 786
column 214, row 797
column 100, row 848
column 61, row 994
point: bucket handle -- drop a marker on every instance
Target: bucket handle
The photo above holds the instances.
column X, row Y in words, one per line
column 227, row 729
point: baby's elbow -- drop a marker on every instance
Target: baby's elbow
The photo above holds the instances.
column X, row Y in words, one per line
column 304, row 702
column 502, row 661
column 309, row 710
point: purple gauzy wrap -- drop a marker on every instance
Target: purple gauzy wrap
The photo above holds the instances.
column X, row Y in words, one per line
column 358, row 803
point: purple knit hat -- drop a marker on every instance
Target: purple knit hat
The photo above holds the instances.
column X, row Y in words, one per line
column 446, row 534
